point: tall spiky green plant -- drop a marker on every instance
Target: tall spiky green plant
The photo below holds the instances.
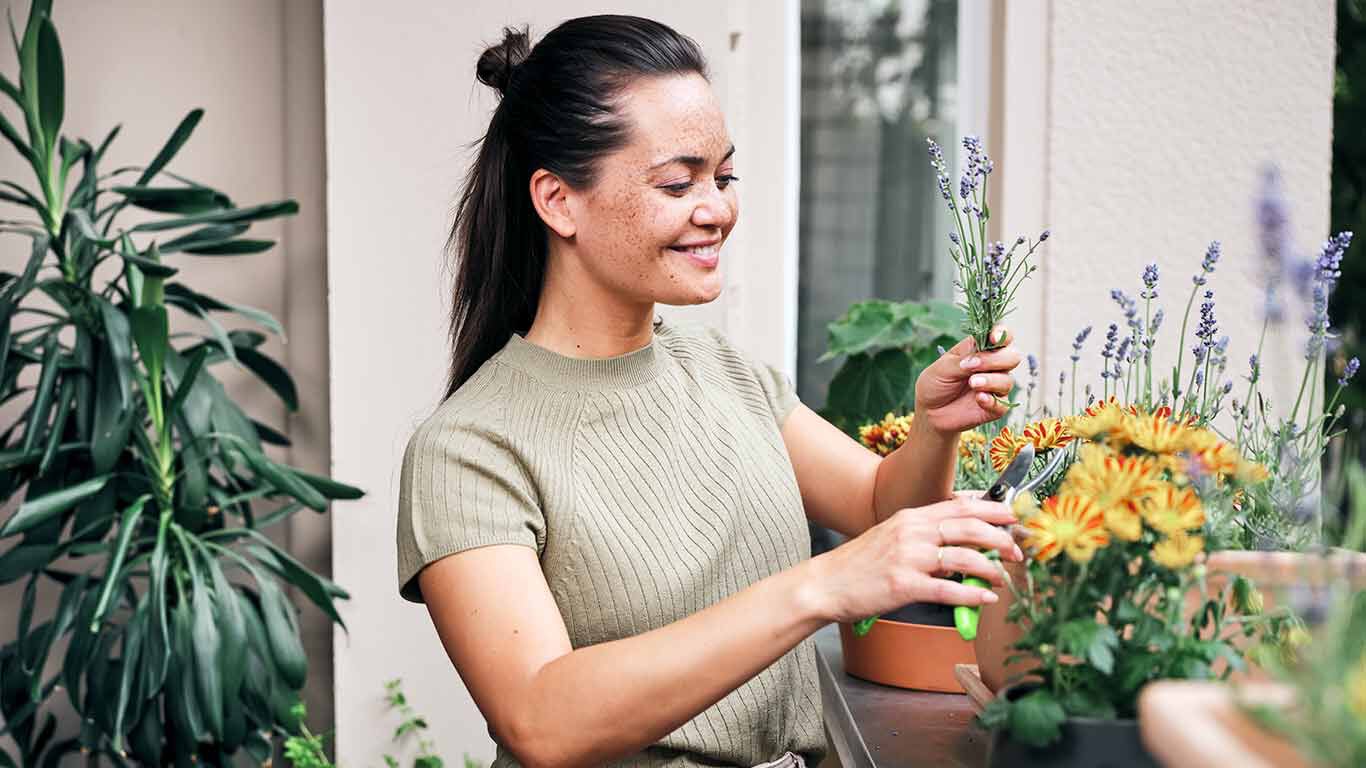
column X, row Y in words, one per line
column 141, row 477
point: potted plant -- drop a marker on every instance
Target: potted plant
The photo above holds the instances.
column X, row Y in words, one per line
column 872, row 397
column 1113, row 555
column 143, row 483
column 1312, row 712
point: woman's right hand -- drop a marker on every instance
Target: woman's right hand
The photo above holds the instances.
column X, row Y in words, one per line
column 905, row 558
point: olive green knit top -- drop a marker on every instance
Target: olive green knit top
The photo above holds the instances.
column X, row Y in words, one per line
column 651, row 485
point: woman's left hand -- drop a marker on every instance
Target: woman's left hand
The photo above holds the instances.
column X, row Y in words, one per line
column 959, row 390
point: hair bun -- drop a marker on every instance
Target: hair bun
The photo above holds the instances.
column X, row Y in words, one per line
column 499, row 62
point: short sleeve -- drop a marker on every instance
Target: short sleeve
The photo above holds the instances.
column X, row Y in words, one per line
column 774, row 385
column 778, row 389
column 460, row 488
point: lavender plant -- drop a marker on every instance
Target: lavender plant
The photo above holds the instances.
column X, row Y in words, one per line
column 989, row 273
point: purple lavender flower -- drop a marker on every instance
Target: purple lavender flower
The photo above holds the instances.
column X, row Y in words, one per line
column 1273, row 221
column 1208, row 327
column 1077, row 342
column 953, row 238
column 1111, row 338
column 1033, row 363
column 1207, row 265
column 1149, row 282
column 1155, row 325
column 1044, row 235
column 1327, row 270
column 1254, row 368
column 941, row 171
column 1349, row 372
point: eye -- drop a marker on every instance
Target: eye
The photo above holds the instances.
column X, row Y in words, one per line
column 677, row 189
column 724, row 181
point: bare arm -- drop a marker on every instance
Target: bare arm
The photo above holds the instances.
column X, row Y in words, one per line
column 552, row 705
column 847, row 488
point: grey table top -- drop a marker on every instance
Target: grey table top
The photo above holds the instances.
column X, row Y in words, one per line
column 877, row 726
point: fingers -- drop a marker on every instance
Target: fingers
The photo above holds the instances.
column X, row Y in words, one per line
column 951, row 592
column 1004, row 359
column 993, row 512
column 972, row 532
column 970, row 562
column 992, row 383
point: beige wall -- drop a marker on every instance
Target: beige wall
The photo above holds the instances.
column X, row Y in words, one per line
column 402, row 105
column 256, row 69
column 1136, row 131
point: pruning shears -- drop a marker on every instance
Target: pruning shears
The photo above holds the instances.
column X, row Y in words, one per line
column 1011, row 483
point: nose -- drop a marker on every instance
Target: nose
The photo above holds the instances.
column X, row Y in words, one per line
column 716, row 209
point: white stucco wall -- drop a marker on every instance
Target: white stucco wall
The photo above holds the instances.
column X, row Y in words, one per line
column 402, row 105
column 1137, row 131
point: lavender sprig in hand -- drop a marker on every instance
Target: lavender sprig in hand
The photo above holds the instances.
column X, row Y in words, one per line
column 988, row 273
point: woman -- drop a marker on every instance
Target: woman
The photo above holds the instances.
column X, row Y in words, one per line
column 606, row 518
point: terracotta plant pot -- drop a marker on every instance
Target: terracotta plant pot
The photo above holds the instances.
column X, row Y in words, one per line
column 996, row 636
column 910, row 648
column 1186, row 724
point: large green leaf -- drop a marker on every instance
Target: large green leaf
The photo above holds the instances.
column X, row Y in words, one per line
column 871, row 325
column 185, row 381
column 1036, row 719
column 172, row 146
column 113, row 420
column 867, row 387
column 51, row 83
column 147, row 266
column 1096, row 643
column 35, row 512
column 941, row 319
column 59, row 421
column 254, row 213
column 232, row 656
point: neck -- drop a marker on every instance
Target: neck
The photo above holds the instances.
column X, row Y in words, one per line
column 579, row 317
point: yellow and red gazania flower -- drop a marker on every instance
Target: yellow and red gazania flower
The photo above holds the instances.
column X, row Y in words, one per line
column 1174, row 510
column 1116, row 485
column 1004, row 447
column 1104, row 417
column 1066, row 523
column 1177, row 550
column 1048, row 434
column 1158, row 434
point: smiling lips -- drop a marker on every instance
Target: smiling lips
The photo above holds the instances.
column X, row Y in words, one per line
column 704, row 255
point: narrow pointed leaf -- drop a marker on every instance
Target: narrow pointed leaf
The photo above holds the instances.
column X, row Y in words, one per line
column 282, row 632
column 205, row 236
column 181, row 200
column 118, row 552
column 240, row 247
column 42, row 401
column 331, row 488
column 273, row 374
column 119, row 335
column 172, row 146
column 51, row 82
column 150, row 335
column 254, row 213
column 37, row 511
column 318, row 589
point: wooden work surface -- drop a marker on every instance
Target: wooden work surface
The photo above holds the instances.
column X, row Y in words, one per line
column 876, row 726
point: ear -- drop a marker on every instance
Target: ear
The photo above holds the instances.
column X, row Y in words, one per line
column 550, row 197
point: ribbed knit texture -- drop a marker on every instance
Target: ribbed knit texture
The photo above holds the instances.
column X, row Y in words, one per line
column 651, row 485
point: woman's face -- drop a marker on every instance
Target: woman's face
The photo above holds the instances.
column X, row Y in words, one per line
column 652, row 226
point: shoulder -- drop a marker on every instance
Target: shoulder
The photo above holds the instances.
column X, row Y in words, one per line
column 765, row 389
column 471, row 421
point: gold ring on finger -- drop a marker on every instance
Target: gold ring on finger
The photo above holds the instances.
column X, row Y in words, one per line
column 940, row 554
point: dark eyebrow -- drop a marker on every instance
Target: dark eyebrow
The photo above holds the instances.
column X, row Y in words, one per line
column 692, row 161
